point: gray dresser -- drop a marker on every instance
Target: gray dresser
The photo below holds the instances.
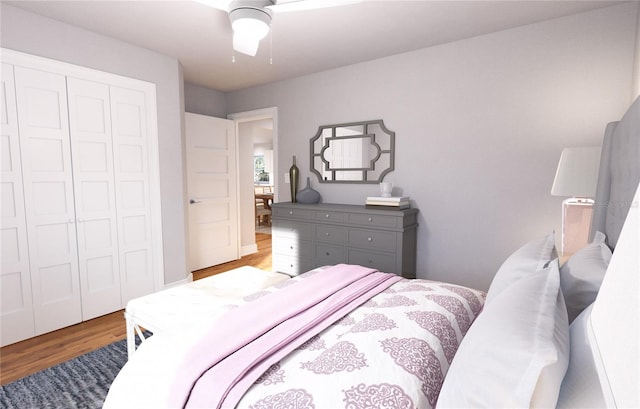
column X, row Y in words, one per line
column 305, row 236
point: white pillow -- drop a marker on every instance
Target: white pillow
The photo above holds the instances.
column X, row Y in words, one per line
column 581, row 386
column 582, row 274
column 528, row 259
column 516, row 352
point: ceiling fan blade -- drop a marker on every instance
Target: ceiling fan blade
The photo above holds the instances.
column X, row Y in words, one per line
column 283, row 6
column 216, row 4
column 244, row 45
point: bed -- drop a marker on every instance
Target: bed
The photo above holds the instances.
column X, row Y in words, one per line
column 347, row 336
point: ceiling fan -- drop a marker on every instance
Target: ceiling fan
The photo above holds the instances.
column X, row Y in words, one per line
column 251, row 19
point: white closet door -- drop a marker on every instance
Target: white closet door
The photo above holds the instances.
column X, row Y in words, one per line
column 131, row 162
column 92, row 157
column 46, row 166
column 15, row 280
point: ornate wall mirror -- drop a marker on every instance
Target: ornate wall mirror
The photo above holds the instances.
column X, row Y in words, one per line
column 357, row 152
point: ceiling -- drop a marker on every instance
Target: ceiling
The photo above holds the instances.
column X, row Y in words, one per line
column 303, row 42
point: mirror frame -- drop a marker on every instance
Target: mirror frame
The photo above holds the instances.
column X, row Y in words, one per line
column 365, row 134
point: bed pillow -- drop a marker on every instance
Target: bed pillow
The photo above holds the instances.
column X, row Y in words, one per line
column 528, row 259
column 582, row 274
column 581, row 384
column 516, row 352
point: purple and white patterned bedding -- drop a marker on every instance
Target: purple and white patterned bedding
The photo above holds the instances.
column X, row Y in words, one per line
column 392, row 352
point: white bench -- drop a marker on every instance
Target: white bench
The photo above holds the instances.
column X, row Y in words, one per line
column 171, row 309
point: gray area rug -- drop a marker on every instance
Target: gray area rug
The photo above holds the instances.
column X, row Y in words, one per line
column 81, row 382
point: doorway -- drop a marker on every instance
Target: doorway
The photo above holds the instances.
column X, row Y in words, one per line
column 257, row 136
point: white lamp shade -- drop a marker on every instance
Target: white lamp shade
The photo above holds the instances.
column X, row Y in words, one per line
column 577, row 173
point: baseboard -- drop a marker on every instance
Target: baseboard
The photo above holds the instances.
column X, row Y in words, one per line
column 250, row 249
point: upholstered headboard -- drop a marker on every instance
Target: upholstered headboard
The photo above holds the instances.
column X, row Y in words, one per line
column 619, row 174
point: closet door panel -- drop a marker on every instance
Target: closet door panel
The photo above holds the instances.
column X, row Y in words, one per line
column 93, row 175
column 49, row 205
column 131, row 162
column 16, row 305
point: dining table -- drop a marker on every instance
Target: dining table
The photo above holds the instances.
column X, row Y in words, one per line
column 267, row 199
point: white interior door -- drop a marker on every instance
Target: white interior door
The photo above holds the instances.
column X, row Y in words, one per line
column 93, row 178
column 48, row 191
column 131, row 139
column 16, row 310
column 212, row 183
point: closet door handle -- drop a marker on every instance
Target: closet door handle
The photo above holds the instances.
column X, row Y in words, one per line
column 191, row 201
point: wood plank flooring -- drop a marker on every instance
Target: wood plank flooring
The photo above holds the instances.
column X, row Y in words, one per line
column 35, row 354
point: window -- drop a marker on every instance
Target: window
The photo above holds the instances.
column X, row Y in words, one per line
column 260, row 176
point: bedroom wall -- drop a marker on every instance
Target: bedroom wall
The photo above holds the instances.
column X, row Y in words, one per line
column 30, row 33
column 204, row 101
column 479, row 123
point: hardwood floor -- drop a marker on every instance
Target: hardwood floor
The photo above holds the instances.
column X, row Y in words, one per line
column 35, row 354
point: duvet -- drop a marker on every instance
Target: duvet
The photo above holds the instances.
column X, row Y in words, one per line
column 372, row 340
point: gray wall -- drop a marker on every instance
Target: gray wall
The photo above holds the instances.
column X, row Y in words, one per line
column 204, row 101
column 480, row 125
column 33, row 34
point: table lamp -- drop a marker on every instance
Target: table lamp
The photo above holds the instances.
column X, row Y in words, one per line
column 576, row 177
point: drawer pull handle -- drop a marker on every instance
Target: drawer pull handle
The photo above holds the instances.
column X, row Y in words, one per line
column 326, row 215
column 291, row 247
column 290, row 211
column 369, row 239
column 326, row 234
column 370, row 219
column 327, row 253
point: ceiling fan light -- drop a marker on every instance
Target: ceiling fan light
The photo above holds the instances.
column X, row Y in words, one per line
column 245, row 45
column 250, row 23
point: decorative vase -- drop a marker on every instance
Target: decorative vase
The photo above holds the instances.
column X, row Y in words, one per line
column 294, row 174
column 308, row 195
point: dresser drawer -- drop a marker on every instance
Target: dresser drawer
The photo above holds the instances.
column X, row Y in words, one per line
column 330, row 216
column 380, row 261
column 331, row 234
column 292, row 228
column 329, row 255
column 292, row 213
column 372, row 239
column 373, row 220
column 291, row 265
column 292, row 247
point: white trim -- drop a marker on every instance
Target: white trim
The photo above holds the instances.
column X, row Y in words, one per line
column 250, row 249
column 249, row 116
column 256, row 115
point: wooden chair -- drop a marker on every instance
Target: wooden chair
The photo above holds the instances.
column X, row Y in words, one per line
column 263, row 214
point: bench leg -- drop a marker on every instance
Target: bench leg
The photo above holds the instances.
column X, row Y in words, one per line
column 131, row 335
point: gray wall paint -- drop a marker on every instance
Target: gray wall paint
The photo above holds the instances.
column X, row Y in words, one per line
column 204, row 101
column 479, row 125
column 33, row 34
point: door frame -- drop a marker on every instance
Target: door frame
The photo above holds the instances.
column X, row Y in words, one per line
column 250, row 116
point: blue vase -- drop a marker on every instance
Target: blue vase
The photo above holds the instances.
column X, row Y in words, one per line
column 308, row 195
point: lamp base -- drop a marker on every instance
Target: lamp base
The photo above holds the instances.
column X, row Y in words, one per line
column 576, row 223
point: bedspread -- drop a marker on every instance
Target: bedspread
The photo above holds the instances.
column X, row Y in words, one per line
column 249, row 338
column 392, row 352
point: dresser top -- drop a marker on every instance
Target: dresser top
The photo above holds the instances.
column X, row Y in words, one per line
column 345, row 208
